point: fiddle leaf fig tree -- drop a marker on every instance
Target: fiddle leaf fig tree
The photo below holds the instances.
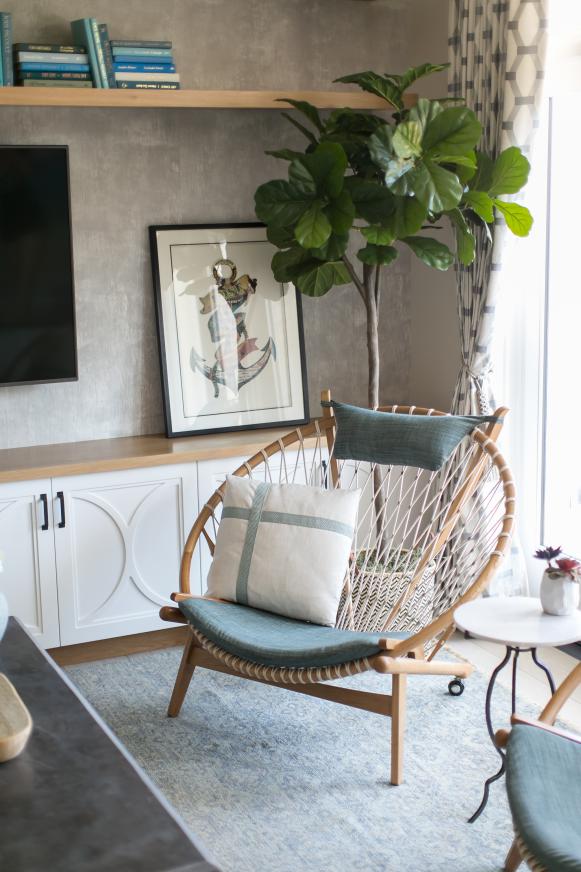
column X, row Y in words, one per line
column 383, row 184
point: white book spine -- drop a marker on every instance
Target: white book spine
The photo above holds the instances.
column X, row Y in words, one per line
column 147, row 77
column 45, row 57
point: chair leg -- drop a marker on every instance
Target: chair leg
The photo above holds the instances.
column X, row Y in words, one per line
column 513, row 859
column 183, row 678
column 398, row 716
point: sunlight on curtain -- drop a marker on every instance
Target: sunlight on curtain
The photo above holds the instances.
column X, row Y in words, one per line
column 538, row 336
column 562, row 460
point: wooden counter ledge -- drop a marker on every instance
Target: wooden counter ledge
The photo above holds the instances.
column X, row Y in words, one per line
column 129, row 452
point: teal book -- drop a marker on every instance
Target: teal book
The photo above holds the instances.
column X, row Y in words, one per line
column 83, row 35
column 147, row 52
column 6, row 39
column 106, row 46
column 1, row 73
column 100, row 53
column 140, row 43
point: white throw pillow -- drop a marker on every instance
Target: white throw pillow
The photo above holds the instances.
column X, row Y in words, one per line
column 284, row 548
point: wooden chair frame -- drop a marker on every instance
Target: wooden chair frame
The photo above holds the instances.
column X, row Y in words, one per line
column 518, row 851
column 397, row 658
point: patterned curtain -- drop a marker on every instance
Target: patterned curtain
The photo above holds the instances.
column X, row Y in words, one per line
column 497, row 54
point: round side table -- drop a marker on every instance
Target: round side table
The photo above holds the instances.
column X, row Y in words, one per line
column 520, row 624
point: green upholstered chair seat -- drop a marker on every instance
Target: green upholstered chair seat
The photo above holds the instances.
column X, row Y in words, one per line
column 272, row 640
column 544, row 791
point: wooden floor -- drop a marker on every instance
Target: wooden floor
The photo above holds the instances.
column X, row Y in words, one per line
column 532, row 684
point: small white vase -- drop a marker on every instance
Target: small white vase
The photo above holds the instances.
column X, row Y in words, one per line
column 559, row 595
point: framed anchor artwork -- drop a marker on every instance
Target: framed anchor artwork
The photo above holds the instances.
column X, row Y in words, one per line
column 230, row 336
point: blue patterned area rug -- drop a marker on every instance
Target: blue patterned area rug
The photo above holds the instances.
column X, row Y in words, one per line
column 278, row 782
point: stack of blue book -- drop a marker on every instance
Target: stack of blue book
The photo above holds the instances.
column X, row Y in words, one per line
column 144, row 64
column 55, row 66
column 6, row 65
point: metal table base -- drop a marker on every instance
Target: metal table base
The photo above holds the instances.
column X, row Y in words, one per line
column 513, row 651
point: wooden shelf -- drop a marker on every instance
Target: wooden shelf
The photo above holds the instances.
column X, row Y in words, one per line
column 83, row 98
column 129, row 452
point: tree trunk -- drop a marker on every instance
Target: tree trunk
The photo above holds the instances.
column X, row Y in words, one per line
column 371, row 285
column 372, row 336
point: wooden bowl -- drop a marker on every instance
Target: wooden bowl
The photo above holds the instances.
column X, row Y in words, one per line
column 15, row 721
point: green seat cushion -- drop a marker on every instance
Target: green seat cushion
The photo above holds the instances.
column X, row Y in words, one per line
column 543, row 782
column 272, row 640
column 423, row 441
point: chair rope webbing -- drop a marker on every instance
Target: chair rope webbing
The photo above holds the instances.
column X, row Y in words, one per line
column 528, row 858
column 417, row 554
column 280, row 674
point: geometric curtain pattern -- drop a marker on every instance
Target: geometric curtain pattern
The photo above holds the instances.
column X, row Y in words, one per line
column 497, row 51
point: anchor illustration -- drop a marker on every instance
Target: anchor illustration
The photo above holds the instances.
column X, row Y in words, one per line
column 226, row 304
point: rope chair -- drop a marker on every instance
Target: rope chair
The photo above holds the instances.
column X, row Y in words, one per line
column 425, row 542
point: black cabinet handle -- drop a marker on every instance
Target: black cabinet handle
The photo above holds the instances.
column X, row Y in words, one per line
column 61, row 498
column 44, row 501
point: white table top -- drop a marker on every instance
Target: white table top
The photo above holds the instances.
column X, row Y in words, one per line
column 518, row 621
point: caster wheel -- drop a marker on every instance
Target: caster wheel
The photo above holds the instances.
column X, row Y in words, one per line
column 456, row 687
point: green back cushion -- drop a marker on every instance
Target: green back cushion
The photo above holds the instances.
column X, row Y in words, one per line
column 424, row 441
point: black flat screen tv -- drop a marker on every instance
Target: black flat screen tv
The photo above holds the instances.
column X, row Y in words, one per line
column 37, row 307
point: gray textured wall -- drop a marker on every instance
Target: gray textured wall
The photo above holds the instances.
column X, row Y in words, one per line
column 132, row 168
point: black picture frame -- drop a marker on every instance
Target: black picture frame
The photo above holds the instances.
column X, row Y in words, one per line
column 171, row 430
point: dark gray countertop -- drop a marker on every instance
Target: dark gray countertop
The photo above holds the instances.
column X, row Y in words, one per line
column 74, row 801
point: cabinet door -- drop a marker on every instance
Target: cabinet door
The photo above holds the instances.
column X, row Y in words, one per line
column 27, row 546
column 118, row 548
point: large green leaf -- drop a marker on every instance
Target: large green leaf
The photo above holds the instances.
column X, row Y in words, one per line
column 435, row 187
column 480, row 203
column 318, row 278
column 282, row 203
column 308, row 110
column 482, row 179
column 453, row 131
column 509, row 173
column 381, row 146
column 518, row 218
column 282, row 237
column 373, row 202
column 424, row 111
column 465, row 242
column 395, row 171
column 467, row 160
column 285, row 264
column 414, row 73
column 301, row 177
column 407, row 218
column 314, row 228
column 407, row 138
column 333, row 249
column 376, row 84
column 377, row 255
column 430, row 251
column 341, row 212
column 378, row 235
column 326, row 167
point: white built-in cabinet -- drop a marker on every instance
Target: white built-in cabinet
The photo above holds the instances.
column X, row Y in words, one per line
column 95, row 556
column 28, row 556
